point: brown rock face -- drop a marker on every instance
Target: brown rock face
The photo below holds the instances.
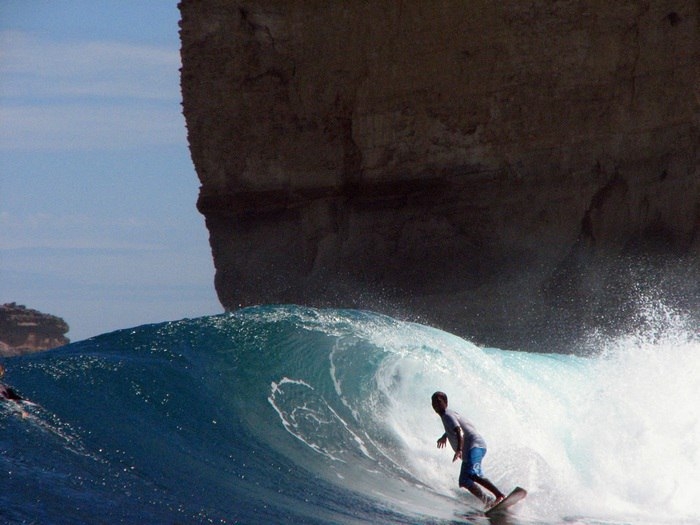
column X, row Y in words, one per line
column 23, row 330
column 516, row 172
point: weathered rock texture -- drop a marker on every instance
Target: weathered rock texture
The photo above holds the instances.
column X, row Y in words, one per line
column 23, row 330
column 516, row 172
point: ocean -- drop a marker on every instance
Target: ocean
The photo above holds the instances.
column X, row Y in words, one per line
column 288, row 414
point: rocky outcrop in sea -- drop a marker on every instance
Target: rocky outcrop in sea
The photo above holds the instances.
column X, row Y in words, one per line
column 23, row 330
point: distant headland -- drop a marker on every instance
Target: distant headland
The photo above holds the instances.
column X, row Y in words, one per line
column 23, row 330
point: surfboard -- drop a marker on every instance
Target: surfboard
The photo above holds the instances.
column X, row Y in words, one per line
column 511, row 499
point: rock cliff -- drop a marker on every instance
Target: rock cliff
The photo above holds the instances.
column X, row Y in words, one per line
column 23, row 330
column 520, row 173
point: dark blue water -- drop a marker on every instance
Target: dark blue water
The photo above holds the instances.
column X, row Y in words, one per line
column 296, row 415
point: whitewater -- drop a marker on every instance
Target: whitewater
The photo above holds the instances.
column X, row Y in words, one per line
column 288, row 414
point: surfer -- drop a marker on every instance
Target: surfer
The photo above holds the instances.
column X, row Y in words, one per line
column 9, row 393
column 5, row 391
column 469, row 446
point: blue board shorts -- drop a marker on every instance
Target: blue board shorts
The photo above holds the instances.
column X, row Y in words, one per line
column 471, row 466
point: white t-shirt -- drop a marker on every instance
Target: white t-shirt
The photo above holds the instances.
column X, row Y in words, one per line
column 452, row 420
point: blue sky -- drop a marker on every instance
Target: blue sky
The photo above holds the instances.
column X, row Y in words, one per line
column 98, row 222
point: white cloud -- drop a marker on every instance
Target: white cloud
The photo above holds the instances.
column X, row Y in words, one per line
column 87, row 95
column 88, row 126
column 35, row 68
column 79, row 231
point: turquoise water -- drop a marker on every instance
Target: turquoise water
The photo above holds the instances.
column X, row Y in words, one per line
column 284, row 414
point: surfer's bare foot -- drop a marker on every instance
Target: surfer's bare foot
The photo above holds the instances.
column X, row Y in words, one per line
column 495, row 502
column 488, row 501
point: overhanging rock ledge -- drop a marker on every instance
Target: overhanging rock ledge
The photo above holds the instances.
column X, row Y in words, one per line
column 520, row 173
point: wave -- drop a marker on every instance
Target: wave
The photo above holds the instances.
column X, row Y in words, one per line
column 284, row 413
